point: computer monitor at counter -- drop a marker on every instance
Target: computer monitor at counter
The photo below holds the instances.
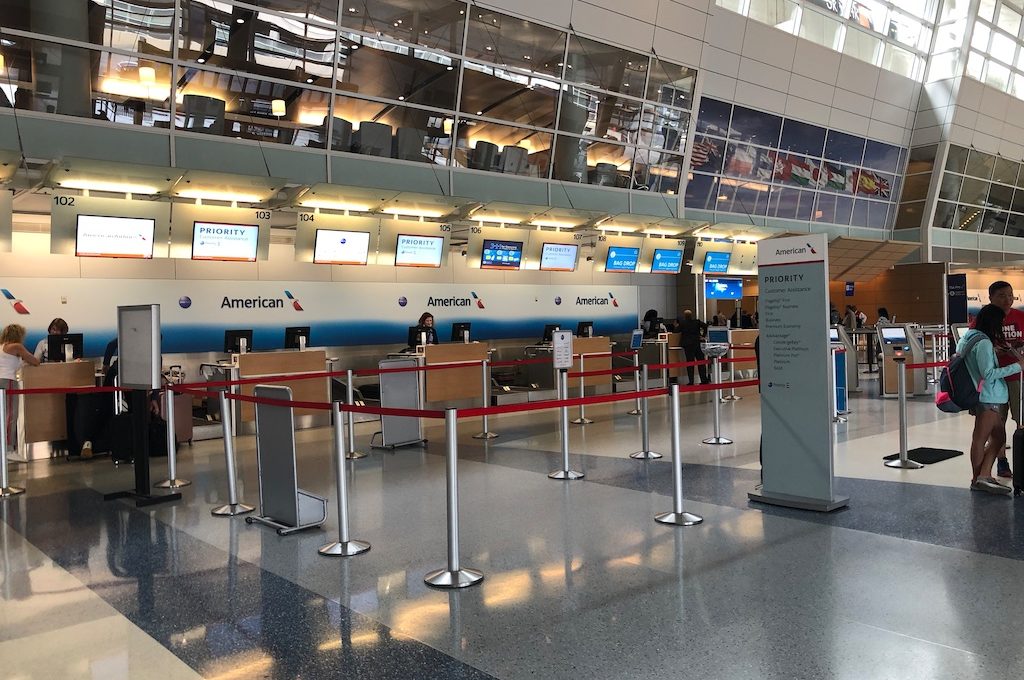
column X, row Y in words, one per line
column 585, row 329
column 460, row 331
column 549, row 331
column 55, row 346
column 296, row 337
column 233, row 341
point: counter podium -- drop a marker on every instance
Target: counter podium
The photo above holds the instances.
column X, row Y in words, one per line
column 452, row 384
column 42, row 417
column 257, row 364
column 595, row 345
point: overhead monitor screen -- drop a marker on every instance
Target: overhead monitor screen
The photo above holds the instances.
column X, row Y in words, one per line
column 716, row 263
column 226, row 242
column 99, row 236
column 723, row 289
column 501, row 254
column 621, row 259
column 333, row 246
column 419, row 251
column 558, row 257
column 894, row 335
column 667, row 261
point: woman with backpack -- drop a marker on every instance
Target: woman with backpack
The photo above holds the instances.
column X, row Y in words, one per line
column 977, row 346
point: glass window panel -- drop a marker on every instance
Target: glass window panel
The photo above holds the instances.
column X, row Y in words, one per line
column 744, row 160
column 999, row 196
column 508, row 95
column 980, row 164
column 986, row 9
column 948, row 37
column 322, row 10
column 845, row 148
column 362, row 126
column 916, row 188
column 746, row 198
column 997, row 75
column 1005, row 171
column 1014, row 225
column 882, row 156
column 784, row 203
column 383, row 68
column 74, row 81
column 795, row 170
column 588, row 161
column 974, row 191
column 909, row 215
column 599, row 114
column 1017, row 86
column 975, row 65
column 1009, row 20
column 1017, row 205
column 701, row 192
column 944, row 215
column 924, row 43
column 899, row 60
column 507, row 41
column 731, row 5
column 904, row 29
column 821, row 29
column 877, row 214
column 872, row 184
column 671, row 84
column 862, row 45
column 979, row 39
column 840, row 178
column 605, row 67
column 919, row 8
column 437, row 24
column 1003, row 47
column 949, row 189
column 871, row 14
column 482, row 145
column 992, row 222
column 664, row 128
column 657, row 171
column 244, row 39
column 144, row 27
column 828, row 209
column 707, row 154
column 781, row 14
column 802, row 138
column 956, row 159
column 242, row 106
column 755, row 127
column 713, row 117
column 954, row 9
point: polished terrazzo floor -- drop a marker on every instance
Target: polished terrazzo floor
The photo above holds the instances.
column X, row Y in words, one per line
column 916, row 579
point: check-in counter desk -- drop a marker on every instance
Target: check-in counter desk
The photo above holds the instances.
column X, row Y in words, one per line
column 453, row 384
column 742, row 340
column 585, row 347
column 42, row 417
column 260, row 364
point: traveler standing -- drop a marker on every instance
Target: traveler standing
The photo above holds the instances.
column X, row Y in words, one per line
column 1000, row 294
column 850, row 320
column 692, row 332
column 12, row 353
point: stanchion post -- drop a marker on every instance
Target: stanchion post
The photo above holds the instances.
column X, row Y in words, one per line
column 718, row 439
column 638, row 409
column 350, row 418
column 645, row 452
column 678, row 516
column 6, row 490
column 233, row 507
column 563, row 393
column 732, row 396
column 172, row 481
column 454, row 575
column 582, row 419
column 345, row 546
column 485, row 399
column 903, row 462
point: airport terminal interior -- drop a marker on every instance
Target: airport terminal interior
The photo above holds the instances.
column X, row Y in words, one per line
column 505, row 339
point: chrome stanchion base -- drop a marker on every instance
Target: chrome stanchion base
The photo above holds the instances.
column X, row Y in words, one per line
column 839, row 419
column 635, row 412
column 346, row 549
column 582, row 420
column 354, row 455
column 8, row 491
column 172, row 483
column 230, row 510
column 463, row 578
column 681, row 519
column 909, row 465
column 731, row 397
column 485, row 435
column 566, row 475
column 717, row 440
column 646, row 455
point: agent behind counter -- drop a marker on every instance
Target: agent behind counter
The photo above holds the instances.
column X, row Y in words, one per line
column 423, row 327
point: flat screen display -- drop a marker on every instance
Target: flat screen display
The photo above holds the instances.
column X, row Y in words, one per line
column 226, row 242
column 99, row 236
column 723, row 289
column 894, row 335
column 558, row 257
column 501, row 254
column 621, row 259
column 833, row 335
column 419, row 251
column 333, row 246
column 716, row 263
column 667, row 261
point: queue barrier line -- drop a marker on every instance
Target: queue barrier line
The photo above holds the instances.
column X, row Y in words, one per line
column 932, row 364
column 559, row 403
column 737, row 360
column 603, row 371
column 67, row 390
column 679, row 364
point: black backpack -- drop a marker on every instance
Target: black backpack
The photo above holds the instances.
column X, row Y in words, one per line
column 957, row 391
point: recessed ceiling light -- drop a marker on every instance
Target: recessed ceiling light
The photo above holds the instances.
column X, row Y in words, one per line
column 449, row 68
column 526, row 57
column 239, row 21
column 479, row 113
column 310, row 79
column 489, row 48
column 352, row 9
column 401, row 98
column 201, row 60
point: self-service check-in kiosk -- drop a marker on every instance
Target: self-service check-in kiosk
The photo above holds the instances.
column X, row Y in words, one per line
column 957, row 330
column 838, row 334
column 900, row 341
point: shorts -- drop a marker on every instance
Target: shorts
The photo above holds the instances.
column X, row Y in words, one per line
column 1001, row 409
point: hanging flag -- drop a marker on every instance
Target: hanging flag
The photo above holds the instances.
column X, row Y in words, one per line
column 801, row 172
column 741, row 162
column 835, row 177
column 703, row 152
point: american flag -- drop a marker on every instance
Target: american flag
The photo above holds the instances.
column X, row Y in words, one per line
column 703, row 151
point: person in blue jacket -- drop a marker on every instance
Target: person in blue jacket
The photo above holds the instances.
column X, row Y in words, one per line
column 989, row 436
